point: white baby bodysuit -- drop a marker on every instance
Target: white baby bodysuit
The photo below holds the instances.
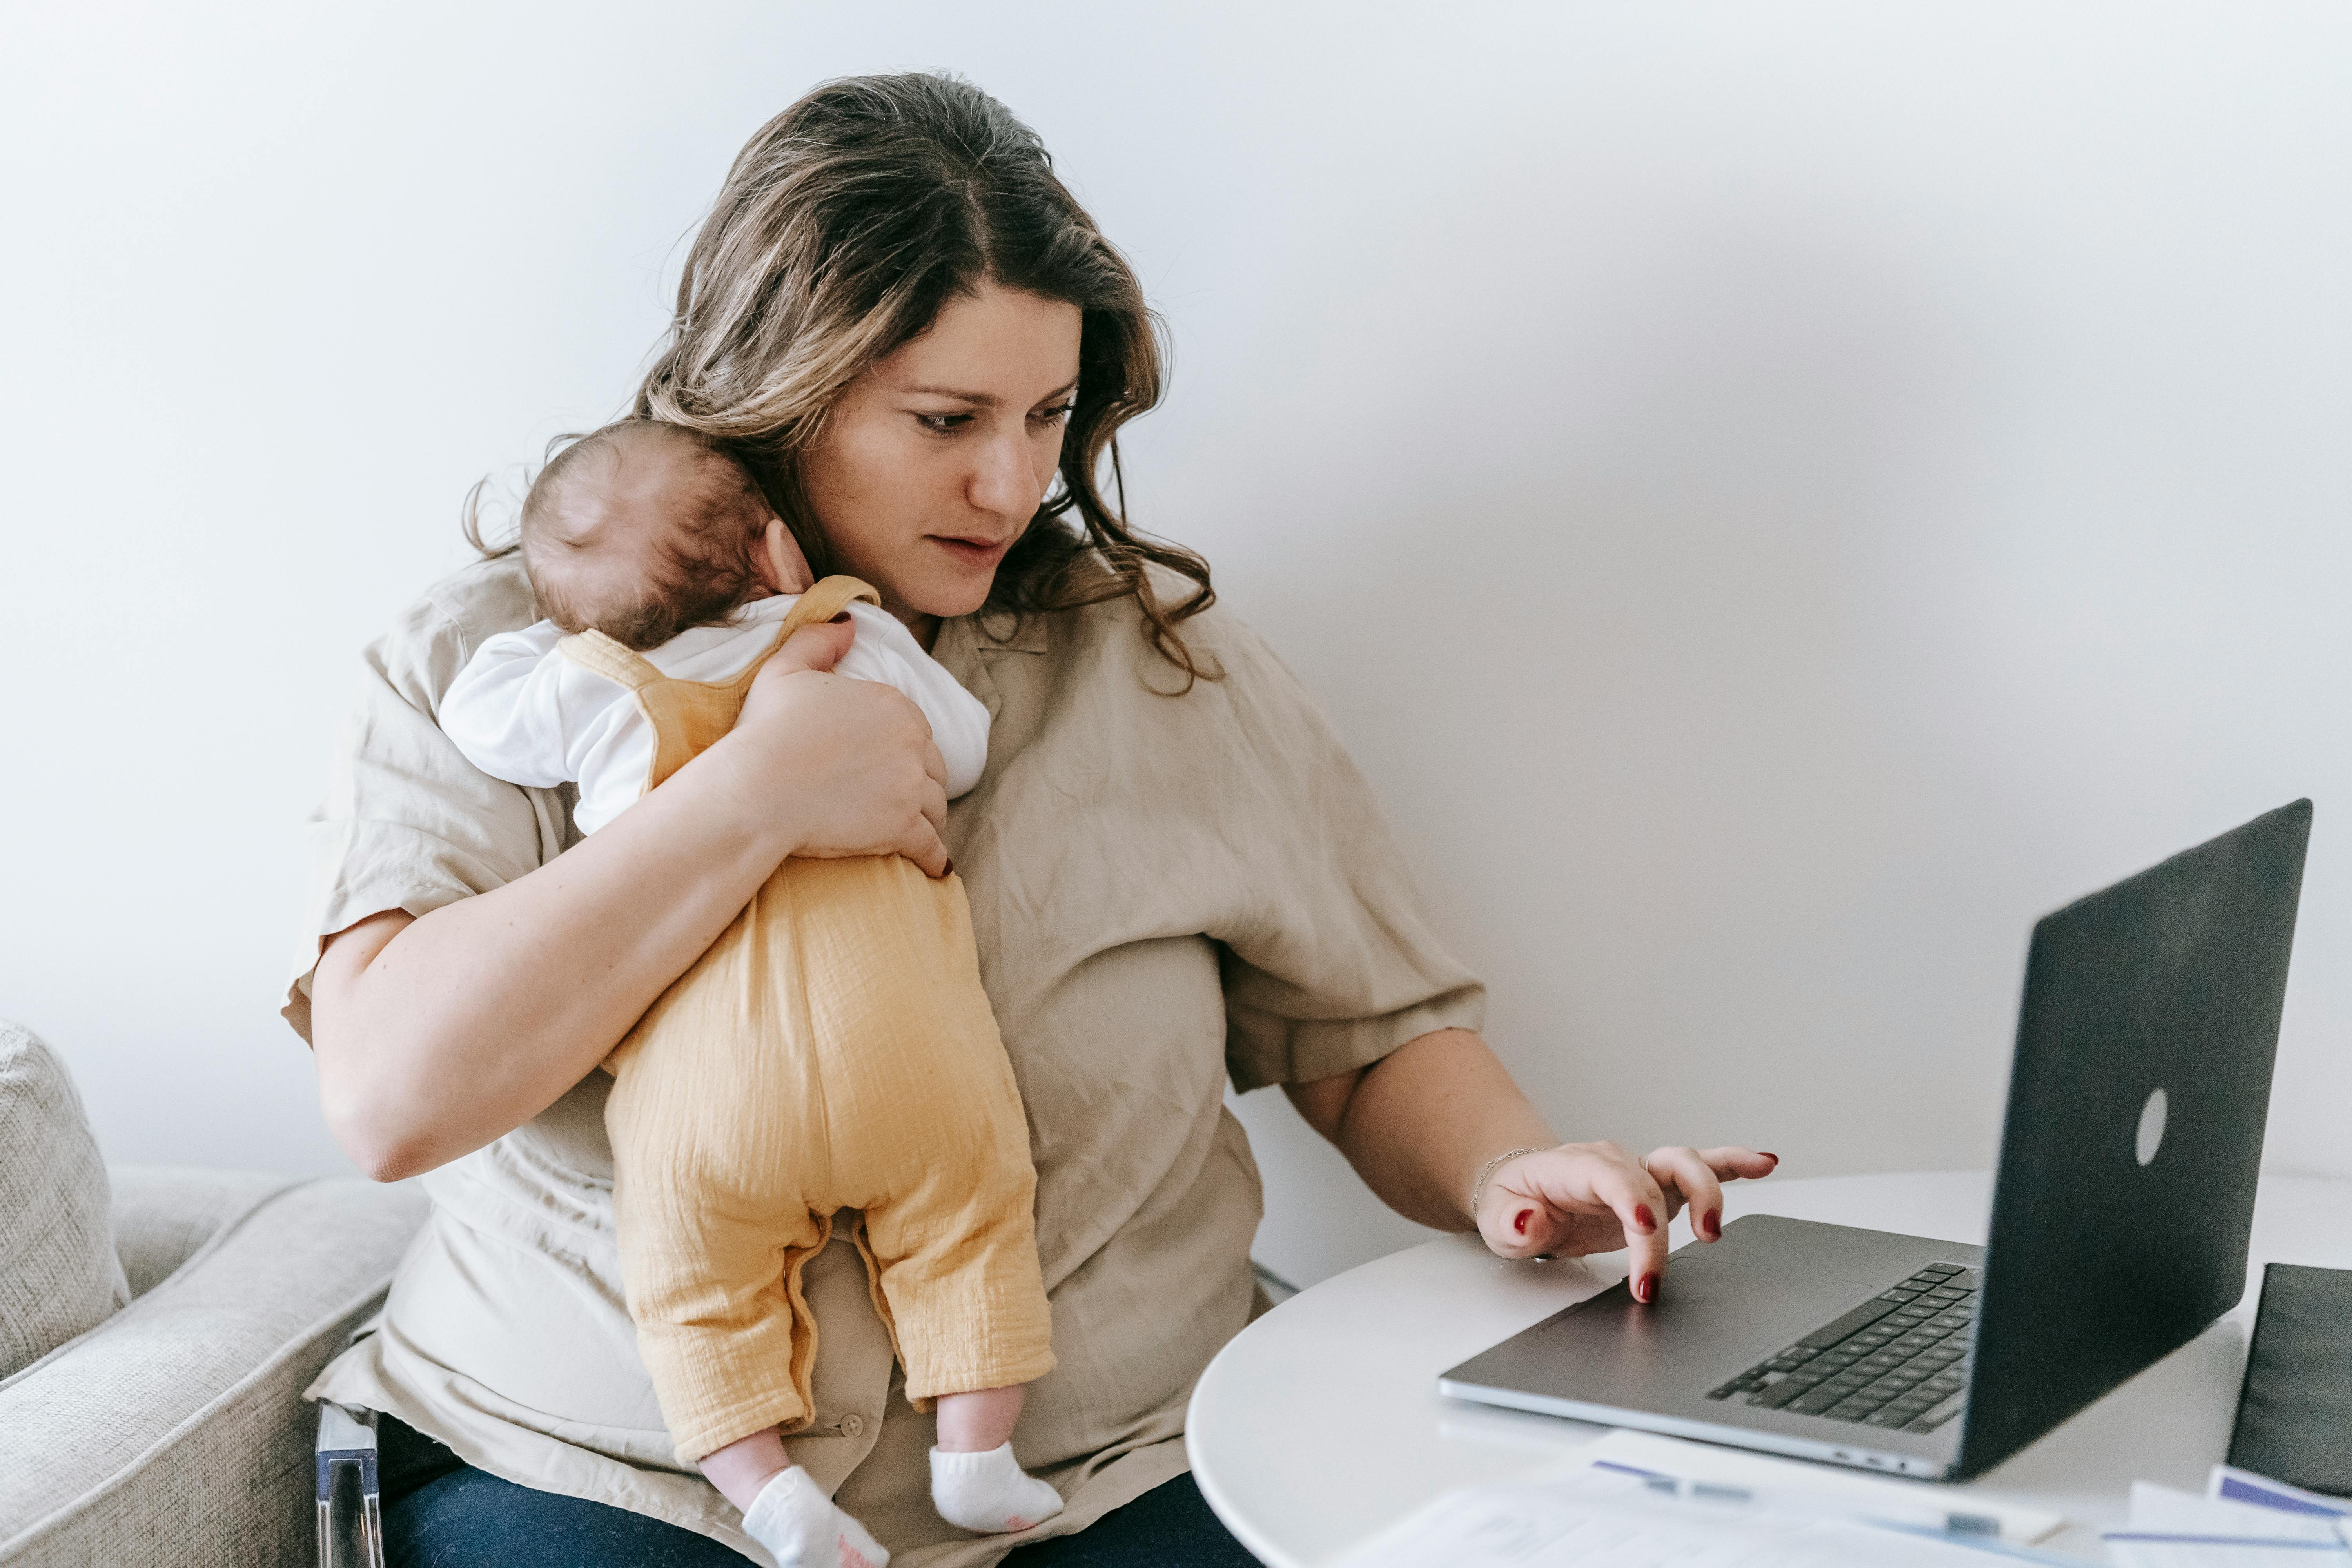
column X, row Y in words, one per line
column 522, row 712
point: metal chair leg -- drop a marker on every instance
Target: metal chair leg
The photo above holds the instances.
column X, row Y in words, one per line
column 351, row 1499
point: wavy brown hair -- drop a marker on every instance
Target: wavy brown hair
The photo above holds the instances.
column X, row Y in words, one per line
column 844, row 225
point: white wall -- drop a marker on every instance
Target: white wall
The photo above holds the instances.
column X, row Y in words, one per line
column 1777, row 495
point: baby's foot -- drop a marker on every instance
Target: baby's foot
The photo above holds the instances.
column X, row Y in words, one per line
column 990, row 1492
column 801, row 1528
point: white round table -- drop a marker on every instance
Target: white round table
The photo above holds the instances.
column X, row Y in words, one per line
column 1321, row 1422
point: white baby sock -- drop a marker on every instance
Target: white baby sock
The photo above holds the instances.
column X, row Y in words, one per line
column 990, row 1492
column 800, row 1526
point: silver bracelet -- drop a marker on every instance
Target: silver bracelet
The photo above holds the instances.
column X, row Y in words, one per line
column 1478, row 1187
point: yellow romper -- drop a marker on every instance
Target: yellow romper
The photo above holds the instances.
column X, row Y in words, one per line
column 832, row 1049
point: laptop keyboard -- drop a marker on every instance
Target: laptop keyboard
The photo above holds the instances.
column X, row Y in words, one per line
column 1899, row 1360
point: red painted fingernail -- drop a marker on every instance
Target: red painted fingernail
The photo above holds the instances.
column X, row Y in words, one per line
column 1520, row 1223
column 1712, row 1224
column 1769, row 1155
column 1647, row 1290
column 1644, row 1218
column 951, row 869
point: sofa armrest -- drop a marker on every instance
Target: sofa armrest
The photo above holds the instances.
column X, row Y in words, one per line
column 163, row 1214
column 177, row 1426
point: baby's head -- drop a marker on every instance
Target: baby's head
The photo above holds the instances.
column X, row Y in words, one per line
column 643, row 528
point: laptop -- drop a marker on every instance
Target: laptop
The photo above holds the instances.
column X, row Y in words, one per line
column 2121, row 1213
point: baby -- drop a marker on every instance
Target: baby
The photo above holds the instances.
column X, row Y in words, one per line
column 832, row 1049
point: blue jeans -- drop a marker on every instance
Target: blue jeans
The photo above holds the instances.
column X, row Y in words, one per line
column 440, row 1512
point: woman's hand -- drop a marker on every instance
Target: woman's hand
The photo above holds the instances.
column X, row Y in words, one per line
column 852, row 760
column 1421, row 1122
column 1594, row 1197
column 439, row 1032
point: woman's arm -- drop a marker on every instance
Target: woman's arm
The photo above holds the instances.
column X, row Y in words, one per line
column 435, row 1035
column 1420, row 1124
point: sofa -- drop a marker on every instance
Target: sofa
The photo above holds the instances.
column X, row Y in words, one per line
column 158, row 1325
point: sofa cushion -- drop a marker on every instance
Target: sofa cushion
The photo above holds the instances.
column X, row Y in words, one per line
column 59, row 1275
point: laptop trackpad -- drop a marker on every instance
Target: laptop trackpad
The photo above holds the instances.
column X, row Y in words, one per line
column 1720, row 1308
column 1621, row 1351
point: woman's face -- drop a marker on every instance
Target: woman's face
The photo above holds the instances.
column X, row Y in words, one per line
column 935, row 459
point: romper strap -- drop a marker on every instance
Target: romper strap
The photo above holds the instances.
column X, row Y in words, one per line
column 600, row 655
column 597, row 654
column 818, row 606
column 822, row 602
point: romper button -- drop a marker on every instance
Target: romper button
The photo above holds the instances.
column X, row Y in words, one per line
column 853, row 1424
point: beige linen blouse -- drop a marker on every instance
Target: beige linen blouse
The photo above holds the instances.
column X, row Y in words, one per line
column 1167, row 892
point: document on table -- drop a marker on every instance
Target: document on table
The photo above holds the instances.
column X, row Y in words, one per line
column 1596, row 1518
column 2228, row 1483
column 2244, row 1520
column 1819, row 1488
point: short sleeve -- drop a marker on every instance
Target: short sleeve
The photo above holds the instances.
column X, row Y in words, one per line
column 406, row 822
column 505, row 711
column 1329, row 960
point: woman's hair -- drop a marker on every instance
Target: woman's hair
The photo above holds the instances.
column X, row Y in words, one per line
column 844, row 227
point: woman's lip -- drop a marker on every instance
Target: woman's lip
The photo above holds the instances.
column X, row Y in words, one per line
column 972, row 547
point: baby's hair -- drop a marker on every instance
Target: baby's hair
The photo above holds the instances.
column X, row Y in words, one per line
column 699, row 572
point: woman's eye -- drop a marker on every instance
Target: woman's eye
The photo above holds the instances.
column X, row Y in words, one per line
column 943, row 424
column 1048, row 415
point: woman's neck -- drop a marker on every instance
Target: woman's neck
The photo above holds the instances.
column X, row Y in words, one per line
column 925, row 629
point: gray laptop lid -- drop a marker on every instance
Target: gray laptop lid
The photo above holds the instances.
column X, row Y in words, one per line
column 2134, row 1130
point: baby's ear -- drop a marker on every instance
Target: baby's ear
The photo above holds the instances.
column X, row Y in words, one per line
column 781, row 561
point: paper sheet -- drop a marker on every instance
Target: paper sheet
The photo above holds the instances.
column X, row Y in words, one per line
column 2228, row 1528
column 2166, row 1509
column 1854, row 1488
column 2228, row 1483
column 1593, row 1519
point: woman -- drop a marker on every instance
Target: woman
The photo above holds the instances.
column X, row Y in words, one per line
column 902, row 320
